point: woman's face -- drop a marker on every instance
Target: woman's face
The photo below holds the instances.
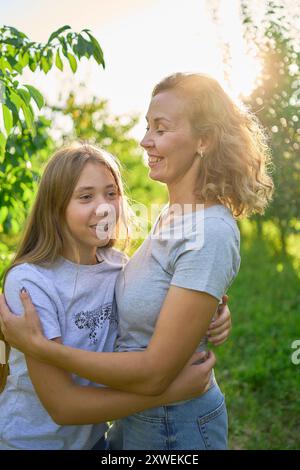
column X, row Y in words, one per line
column 169, row 140
column 95, row 193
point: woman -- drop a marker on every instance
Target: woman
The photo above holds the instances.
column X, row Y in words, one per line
column 212, row 156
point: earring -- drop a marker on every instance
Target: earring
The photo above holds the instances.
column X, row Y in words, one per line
column 201, row 155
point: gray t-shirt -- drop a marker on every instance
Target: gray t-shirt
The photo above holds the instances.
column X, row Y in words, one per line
column 76, row 303
column 200, row 253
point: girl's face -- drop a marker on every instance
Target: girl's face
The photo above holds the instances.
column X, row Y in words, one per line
column 95, row 194
column 169, row 141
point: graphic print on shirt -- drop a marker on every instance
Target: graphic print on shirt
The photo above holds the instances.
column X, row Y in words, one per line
column 93, row 320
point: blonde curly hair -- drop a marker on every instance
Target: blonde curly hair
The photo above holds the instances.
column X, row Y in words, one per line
column 236, row 165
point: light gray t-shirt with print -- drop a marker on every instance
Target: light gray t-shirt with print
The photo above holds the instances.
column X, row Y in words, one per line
column 200, row 252
column 76, row 303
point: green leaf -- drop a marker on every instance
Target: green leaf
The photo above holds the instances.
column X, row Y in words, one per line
column 37, row 56
column 32, row 64
column 15, row 98
column 24, row 95
column 15, row 227
column 14, row 64
column 64, row 45
column 4, row 64
column 72, row 62
column 58, row 32
column 44, row 65
column 58, row 62
column 36, row 95
column 12, row 41
column 50, row 58
column 97, row 51
column 16, row 32
column 11, row 51
column 27, row 115
column 70, row 38
column 12, row 107
column 3, row 214
column 25, row 59
column 81, row 46
column 7, row 118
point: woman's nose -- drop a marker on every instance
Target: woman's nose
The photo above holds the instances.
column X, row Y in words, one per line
column 146, row 141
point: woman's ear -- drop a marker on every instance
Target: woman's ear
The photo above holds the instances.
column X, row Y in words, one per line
column 204, row 143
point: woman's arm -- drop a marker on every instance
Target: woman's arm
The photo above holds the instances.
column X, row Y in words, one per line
column 148, row 372
column 68, row 403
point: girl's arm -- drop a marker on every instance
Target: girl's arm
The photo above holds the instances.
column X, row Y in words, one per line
column 148, row 372
column 220, row 327
column 68, row 403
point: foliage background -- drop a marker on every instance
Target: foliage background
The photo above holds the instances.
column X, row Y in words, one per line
column 254, row 367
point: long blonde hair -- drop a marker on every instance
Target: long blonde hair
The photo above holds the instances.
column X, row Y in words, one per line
column 235, row 167
column 46, row 229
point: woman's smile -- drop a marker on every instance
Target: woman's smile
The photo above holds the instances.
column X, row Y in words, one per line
column 154, row 161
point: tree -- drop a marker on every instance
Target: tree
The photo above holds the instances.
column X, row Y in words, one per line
column 275, row 100
column 17, row 52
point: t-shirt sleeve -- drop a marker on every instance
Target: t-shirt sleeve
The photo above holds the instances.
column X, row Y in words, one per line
column 40, row 293
column 212, row 267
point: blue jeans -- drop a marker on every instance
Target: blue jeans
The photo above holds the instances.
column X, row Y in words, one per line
column 198, row 424
column 101, row 444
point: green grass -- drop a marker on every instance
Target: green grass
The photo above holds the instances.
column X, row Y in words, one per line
column 254, row 369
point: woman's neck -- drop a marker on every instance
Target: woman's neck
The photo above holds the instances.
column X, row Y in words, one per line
column 186, row 199
column 182, row 190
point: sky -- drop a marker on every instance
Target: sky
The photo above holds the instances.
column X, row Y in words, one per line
column 143, row 41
